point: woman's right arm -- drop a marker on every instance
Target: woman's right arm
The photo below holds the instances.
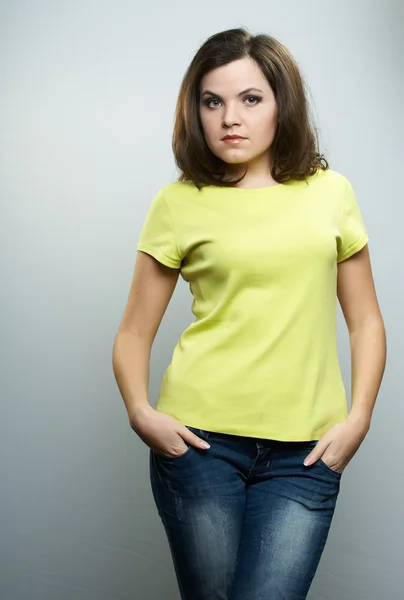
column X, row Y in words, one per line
column 152, row 287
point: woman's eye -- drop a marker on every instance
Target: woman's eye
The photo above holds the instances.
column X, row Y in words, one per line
column 255, row 98
column 208, row 102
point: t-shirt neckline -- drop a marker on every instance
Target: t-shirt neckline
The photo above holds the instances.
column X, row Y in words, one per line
column 245, row 190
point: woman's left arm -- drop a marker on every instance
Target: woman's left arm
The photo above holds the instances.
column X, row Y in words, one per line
column 357, row 296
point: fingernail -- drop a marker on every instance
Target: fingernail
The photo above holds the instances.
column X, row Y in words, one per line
column 307, row 462
column 205, row 445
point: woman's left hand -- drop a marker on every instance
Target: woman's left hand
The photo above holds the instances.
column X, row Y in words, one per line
column 340, row 443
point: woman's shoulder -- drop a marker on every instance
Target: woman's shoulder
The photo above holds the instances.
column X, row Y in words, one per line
column 330, row 176
column 179, row 187
column 179, row 193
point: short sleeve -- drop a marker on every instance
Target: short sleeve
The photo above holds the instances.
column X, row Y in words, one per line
column 354, row 235
column 158, row 236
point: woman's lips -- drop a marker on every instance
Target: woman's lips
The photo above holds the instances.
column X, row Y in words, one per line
column 234, row 140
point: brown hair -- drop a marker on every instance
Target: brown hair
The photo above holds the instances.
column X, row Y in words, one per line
column 294, row 151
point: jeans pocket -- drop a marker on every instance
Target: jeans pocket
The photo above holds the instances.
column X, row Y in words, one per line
column 312, row 444
column 189, row 450
column 330, row 469
column 173, row 458
column 202, row 433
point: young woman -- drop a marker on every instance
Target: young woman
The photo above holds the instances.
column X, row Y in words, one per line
column 267, row 236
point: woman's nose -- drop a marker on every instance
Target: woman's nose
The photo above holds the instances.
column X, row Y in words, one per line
column 230, row 118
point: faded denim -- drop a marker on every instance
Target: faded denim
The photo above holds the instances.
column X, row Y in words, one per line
column 245, row 519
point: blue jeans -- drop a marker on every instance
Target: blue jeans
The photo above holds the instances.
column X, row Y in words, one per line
column 245, row 519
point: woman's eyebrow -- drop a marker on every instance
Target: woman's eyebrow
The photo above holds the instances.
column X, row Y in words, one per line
column 240, row 94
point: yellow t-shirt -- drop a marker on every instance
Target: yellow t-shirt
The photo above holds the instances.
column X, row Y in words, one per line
column 261, row 357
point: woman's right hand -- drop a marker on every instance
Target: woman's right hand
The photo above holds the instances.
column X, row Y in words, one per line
column 163, row 433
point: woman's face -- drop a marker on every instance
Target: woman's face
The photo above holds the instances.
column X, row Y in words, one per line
column 224, row 110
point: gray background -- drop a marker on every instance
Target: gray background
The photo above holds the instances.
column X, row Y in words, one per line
column 87, row 103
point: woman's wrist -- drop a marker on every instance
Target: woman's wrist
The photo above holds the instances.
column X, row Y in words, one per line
column 138, row 413
column 359, row 419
